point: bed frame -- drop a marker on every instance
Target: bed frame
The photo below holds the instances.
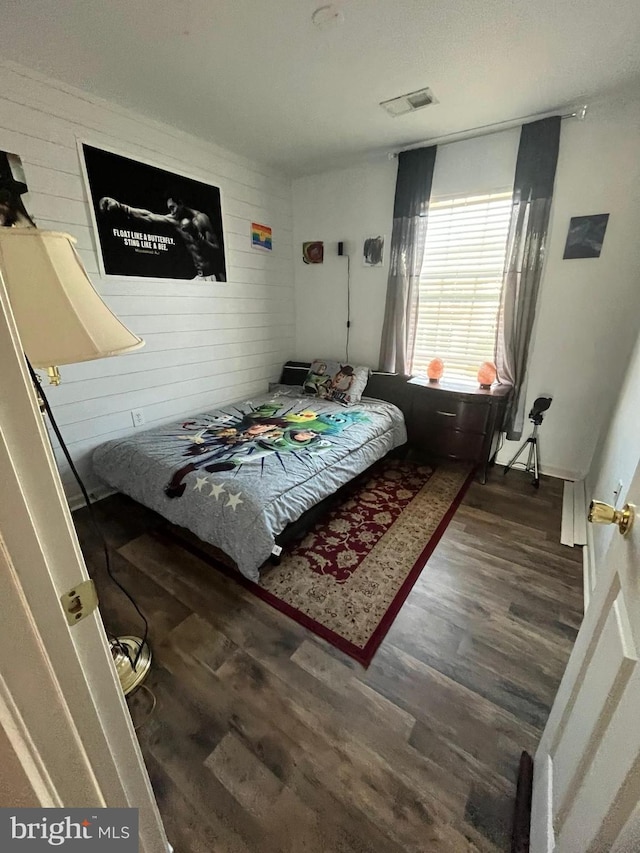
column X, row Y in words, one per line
column 391, row 387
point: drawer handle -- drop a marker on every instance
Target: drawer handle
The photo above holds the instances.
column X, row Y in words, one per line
column 447, row 414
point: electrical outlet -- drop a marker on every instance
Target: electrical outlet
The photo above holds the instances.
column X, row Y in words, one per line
column 617, row 492
column 137, row 416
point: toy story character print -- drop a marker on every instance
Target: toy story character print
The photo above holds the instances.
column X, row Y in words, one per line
column 317, row 380
column 228, row 441
column 341, row 383
column 330, row 381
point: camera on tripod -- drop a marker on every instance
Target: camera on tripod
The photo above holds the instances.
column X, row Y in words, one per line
column 540, row 405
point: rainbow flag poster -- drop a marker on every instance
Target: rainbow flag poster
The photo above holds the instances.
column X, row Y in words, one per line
column 261, row 237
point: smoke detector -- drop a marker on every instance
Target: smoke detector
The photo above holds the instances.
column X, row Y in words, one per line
column 409, row 103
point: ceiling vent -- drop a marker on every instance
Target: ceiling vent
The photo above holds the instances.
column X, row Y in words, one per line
column 409, row 103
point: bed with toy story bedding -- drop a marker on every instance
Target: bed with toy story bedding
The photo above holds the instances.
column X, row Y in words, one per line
column 238, row 476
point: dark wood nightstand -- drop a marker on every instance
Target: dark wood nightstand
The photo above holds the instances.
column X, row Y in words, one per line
column 456, row 421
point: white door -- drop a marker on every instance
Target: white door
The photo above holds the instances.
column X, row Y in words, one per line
column 66, row 737
column 587, row 768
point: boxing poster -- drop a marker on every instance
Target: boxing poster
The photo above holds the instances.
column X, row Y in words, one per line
column 151, row 223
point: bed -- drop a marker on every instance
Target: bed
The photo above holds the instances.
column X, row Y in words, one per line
column 238, row 476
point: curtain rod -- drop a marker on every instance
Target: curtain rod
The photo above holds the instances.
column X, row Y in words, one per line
column 487, row 129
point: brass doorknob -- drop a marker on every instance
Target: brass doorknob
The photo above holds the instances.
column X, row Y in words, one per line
column 601, row 513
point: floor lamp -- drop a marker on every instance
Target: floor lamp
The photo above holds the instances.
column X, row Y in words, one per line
column 61, row 319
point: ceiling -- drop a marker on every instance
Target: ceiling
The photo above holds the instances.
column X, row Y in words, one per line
column 259, row 78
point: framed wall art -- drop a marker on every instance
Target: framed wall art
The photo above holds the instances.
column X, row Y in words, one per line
column 261, row 237
column 585, row 236
column 152, row 223
column 313, row 252
column 373, row 252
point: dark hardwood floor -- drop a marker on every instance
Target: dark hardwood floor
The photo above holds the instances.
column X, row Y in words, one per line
column 265, row 738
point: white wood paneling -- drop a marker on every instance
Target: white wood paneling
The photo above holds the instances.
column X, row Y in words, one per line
column 207, row 343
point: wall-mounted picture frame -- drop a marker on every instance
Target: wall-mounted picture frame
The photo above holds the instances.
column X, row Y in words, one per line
column 13, row 186
column 373, row 251
column 261, row 237
column 313, row 252
column 585, row 236
column 152, row 223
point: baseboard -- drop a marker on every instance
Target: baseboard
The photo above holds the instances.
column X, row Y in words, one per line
column 573, row 530
column 549, row 470
column 567, row 523
column 77, row 501
column 580, row 512
column 561, row 473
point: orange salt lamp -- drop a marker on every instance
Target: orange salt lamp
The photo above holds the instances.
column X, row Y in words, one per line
column 435, row 369
column 487, row 374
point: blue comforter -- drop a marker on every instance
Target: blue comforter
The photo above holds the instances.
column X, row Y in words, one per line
column 238, row 475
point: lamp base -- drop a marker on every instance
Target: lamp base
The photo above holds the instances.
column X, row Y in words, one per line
column 129, row 678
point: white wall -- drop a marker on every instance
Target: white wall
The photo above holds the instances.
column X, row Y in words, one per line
column 588, row 309
column 349, row 205
column 352, row 204
column 206, row 343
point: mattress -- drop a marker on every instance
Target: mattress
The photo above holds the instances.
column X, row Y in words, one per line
column 236, row 476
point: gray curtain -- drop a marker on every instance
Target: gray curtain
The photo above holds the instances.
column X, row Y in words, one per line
column 413, row 189
column 526, row 244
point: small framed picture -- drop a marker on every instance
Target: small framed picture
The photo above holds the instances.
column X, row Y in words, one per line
column 585, row 236
column 261, row 237
column 373, row 252
column 313, row 252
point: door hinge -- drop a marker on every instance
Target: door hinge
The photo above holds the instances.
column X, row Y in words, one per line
column 80, row 601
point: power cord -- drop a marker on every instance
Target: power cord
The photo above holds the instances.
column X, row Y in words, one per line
column 348, row 306
column 107, row 559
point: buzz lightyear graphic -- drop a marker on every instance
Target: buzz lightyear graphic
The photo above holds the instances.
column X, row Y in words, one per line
column 226, row 441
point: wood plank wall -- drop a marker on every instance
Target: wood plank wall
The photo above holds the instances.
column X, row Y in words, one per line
column 206, row 343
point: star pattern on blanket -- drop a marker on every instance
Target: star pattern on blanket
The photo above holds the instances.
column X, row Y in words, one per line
column 200, row 481
column 216, row 490
column 234, row 500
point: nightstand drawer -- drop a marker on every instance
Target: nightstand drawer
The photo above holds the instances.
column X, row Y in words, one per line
column 453, row 444
column 451, row 414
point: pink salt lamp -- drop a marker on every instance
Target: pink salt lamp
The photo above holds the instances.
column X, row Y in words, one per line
column 435, row 369
column 487, row 374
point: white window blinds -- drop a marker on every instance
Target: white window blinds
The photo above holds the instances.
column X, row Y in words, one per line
column 460, row 283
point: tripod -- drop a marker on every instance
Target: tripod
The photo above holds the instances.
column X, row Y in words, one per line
column 533, row 460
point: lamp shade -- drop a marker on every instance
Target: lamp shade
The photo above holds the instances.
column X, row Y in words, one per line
column 60, row 316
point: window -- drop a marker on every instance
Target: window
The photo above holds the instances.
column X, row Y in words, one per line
column 460, row 283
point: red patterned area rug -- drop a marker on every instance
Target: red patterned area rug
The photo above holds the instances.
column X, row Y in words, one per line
column 348, row 577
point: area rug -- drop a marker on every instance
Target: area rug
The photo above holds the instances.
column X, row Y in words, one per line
column 348, row 577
